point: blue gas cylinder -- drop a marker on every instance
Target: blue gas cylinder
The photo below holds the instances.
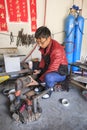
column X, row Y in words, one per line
column 79, row 27
column 69, row 37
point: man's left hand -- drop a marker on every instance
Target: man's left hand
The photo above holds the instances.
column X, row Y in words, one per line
column 33, row 82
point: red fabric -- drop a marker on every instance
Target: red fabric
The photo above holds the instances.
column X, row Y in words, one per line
column 3, row 23
column 57, row 57
column 33, row 15
column 17, row 10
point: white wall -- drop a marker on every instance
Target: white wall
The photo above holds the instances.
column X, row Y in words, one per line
column 56, row 12
column 84, row 44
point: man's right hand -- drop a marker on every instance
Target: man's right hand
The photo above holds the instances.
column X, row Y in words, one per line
column 36, row 72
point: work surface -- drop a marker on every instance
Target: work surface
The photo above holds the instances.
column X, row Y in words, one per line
column 54, row 115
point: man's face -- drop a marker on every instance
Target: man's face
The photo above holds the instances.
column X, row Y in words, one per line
column 43, row 42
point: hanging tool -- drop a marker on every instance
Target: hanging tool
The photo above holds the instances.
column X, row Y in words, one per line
column 11, row 38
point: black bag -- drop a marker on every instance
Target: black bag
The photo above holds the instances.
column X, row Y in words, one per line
column 63, row 70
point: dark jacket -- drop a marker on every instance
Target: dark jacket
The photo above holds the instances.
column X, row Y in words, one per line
column 52, row 57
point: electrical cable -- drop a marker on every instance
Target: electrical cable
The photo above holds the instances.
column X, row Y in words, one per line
column 45, row 8
column 82, row 4
column 7, row 34
column 73, row 2
column 29, row 54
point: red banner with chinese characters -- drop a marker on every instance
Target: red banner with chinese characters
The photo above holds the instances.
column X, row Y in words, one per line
column 3, row 23
column 17, row 10
column 33, row 15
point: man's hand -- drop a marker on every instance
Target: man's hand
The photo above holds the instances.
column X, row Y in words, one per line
column 36, row 72
column 33, row 82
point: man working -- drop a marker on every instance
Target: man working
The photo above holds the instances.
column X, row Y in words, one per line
column 53, row 65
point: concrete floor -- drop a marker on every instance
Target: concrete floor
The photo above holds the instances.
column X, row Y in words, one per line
column 54, row 115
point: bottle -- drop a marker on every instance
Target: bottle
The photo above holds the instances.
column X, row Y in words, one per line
column 30, row 65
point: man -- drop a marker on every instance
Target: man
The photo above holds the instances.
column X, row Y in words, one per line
column 53, row 65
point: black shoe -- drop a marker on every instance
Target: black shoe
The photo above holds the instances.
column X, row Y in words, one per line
column 39, row 89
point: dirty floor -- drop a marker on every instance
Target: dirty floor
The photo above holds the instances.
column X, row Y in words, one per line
column 55, row 116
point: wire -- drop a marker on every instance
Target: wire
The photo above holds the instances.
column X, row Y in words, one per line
column 82, row 4
column 73, row 2
column 57, row 32
column 45, row 12
column 29, row 53
column 7, row 34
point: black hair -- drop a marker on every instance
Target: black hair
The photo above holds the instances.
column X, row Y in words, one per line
column 42, row 32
